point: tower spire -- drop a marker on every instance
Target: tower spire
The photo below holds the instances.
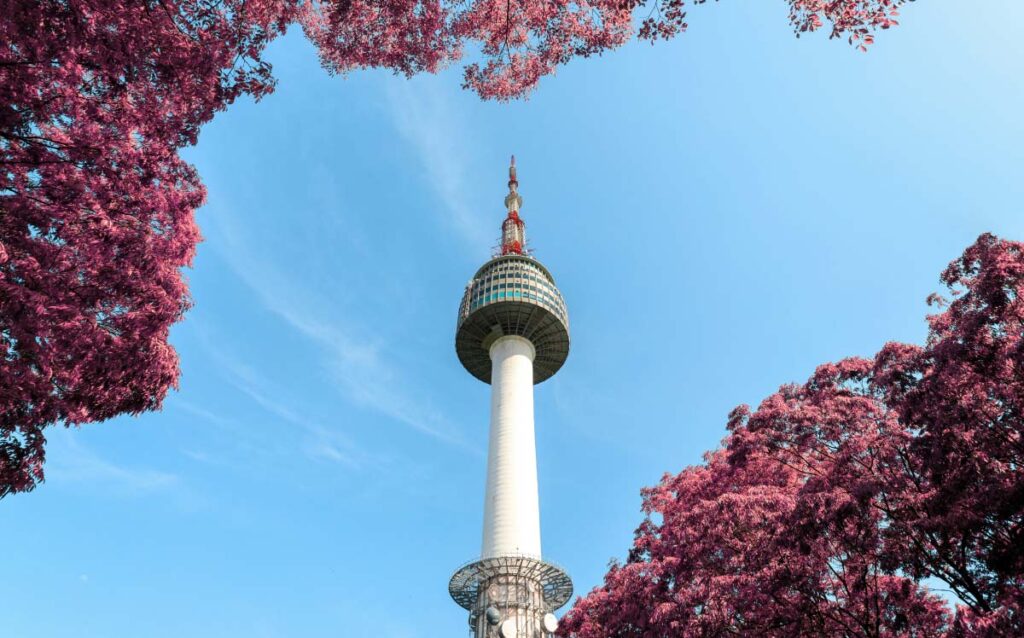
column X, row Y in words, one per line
column 513, row 230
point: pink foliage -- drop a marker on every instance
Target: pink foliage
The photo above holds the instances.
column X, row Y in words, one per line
column 521, row 41
column 830, row 503
column 855, row 19
column 96, row 207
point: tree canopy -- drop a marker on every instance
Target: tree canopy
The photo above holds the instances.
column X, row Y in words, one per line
column 97, row 97
column 828, row 505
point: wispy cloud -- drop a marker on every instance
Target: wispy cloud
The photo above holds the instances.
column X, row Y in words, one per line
column 319, row 441
column 427, row 120
column 353, row 354
column 71, row 462
column 322, row 442
column 322, row 449
column 175, row 402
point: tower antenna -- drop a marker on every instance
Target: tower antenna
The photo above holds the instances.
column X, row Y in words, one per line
column 513, row 230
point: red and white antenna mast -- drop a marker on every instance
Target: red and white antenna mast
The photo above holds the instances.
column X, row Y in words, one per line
column 513, row 230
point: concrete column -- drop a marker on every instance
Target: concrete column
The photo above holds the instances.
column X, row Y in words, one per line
column 511, row 507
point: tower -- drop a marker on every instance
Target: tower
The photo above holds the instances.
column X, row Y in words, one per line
column 513, row 332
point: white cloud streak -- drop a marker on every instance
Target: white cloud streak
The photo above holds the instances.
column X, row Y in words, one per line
column 176, row 402
column 71, row 462
column 353, row 356
column 430, row 124
column 325, row 443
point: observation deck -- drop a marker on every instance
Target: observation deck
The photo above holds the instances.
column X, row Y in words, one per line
column 513, row 294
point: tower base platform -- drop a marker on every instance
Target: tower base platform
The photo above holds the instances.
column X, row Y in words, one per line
column 511, row 596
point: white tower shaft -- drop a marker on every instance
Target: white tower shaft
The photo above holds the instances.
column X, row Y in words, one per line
column 511, row 506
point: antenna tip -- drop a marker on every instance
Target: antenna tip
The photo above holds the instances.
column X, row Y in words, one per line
column 513, row 160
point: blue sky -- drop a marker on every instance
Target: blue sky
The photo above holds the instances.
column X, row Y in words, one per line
column 722, row 213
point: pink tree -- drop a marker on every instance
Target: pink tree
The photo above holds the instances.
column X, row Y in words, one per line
column 831, row 501
column 96, row 207
column 521, row 41
column 769, row 539
column 962, row 396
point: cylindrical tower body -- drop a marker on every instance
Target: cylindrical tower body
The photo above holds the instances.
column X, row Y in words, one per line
column 511, row 508
column 513, row 332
